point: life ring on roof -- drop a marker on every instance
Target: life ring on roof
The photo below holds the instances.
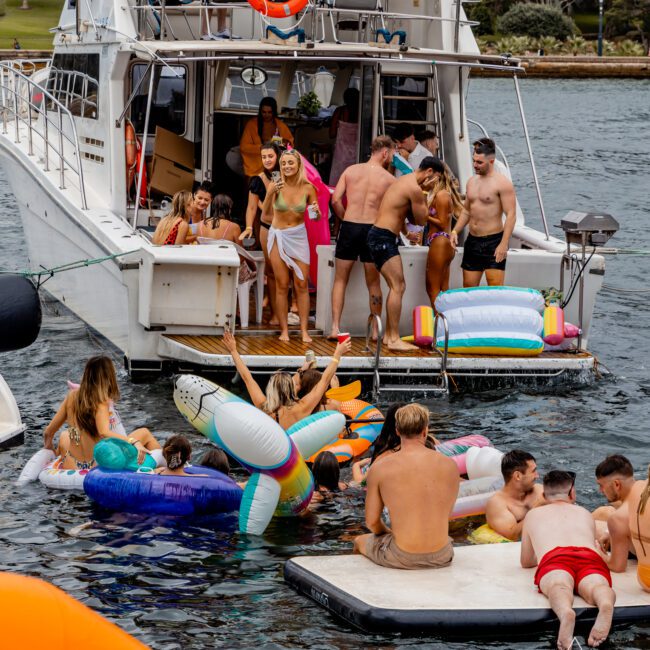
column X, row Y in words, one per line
column 278, row 9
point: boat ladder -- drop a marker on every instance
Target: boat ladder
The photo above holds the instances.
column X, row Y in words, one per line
column 439, row 387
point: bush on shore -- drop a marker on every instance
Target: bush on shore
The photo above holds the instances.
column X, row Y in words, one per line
column 522, row 45
column 536, row 20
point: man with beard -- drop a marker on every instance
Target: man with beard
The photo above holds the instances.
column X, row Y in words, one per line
column 507, row 508
column 489, row 196
column 364, row 186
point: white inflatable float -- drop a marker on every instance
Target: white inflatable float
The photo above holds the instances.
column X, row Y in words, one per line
column 12, row 429
column 484, row 588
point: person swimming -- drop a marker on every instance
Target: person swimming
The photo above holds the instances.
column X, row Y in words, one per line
column 177, row 452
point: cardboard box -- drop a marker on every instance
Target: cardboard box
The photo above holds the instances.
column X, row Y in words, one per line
column 173, row 163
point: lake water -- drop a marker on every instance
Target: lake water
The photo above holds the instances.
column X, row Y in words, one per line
column 203, row 586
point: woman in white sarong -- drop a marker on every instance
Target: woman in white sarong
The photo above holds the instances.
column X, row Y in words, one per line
column 287, row 244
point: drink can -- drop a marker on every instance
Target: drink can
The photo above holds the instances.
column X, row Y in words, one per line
column 311, row 211
column 310, row 357
column 343, row 336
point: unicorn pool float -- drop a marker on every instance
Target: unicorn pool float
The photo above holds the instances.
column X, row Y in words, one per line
column 280, row 482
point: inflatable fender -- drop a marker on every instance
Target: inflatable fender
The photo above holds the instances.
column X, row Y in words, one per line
column 486, row 535
column 553, row 325
column 62, row 479
column 281, row 482
column 483, row 461
column 116, row 454
column 571, row 331
column 36, row 614
column 35, row 465
column 474, row 495
column 20, row 312
column 457, row 449
column 490, row 296
column 150, row 493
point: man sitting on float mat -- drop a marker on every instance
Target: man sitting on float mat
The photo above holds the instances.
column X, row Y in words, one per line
column 559, row 538
column 419, row 509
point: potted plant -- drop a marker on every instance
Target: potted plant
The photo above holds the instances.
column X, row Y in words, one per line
column 309, row 104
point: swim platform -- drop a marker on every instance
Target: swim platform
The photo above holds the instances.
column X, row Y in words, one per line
column 484, row 589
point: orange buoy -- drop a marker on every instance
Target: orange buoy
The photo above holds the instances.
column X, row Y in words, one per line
column 278, row 9
column 130, row 149
column 36, row 614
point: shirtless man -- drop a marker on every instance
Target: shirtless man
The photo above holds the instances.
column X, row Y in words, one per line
column 404, row 196
column 639, row 522
column 558, row 538
column 507, row 508
column 489, row 195
column 419, row 487
column 364, row 186
column 615, row 478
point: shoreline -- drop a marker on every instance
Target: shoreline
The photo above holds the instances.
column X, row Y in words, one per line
column 540, row 67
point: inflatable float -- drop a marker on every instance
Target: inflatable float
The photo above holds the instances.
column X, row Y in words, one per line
column 503, row 321
column 280, row 482
column 345, row 449
column 12, row 429
column 486, row 535
column 484, row 589
column 36, row 614
column 457, row 449
column 473, row 496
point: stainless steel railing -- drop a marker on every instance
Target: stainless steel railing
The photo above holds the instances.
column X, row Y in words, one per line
column 47, row 119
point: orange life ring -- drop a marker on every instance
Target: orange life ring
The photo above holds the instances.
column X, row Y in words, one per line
column 130, row 150
column 278, row 9
column 36, row 614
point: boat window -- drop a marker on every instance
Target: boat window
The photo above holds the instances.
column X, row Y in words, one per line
column 242, row 94
column 406, row 99
column 168, row 106
column 73, row 82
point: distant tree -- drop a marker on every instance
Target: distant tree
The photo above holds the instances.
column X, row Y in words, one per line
column 629, row 18
column 529, row 19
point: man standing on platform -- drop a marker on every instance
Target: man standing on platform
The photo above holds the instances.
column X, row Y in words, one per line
column 489, row 196
column 364, row 186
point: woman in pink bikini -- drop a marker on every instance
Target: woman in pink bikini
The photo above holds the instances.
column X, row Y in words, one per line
column 444, row 204
column 219, row 225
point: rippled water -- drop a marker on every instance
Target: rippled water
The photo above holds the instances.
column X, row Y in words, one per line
column 200, row 585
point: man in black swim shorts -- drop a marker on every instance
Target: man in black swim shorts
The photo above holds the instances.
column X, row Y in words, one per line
column 364, row 186
column 489, row 196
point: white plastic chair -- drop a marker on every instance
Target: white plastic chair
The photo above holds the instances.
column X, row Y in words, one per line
column 256, row 258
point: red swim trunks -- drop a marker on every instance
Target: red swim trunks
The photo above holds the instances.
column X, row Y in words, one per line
column 578, row 561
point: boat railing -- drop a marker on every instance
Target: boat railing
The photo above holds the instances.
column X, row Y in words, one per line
column 375, row 320
column 24, row 101
column 153, row 21
column 75, row 90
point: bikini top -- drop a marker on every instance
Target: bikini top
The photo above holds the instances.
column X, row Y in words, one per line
column 281, row 206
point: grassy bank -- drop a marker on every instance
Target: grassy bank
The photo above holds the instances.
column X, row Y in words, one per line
column 29, row 27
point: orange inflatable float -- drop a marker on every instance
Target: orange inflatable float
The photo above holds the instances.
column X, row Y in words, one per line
column 278, row 9
column 36, row 614
column 366, row 423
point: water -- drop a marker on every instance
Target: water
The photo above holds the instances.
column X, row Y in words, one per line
column 202, row 585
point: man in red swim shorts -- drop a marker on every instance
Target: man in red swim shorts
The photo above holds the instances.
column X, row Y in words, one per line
column 559, row 538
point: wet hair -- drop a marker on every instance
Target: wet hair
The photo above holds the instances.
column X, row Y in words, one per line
column 221, row 209
column 266, row 101
column 431, row 162
column 351, row 100
column 180, row 210
column 411, row 420
column 308, row 380
column 98, row 385
column 326, row 471
column 485, row 147
column 381, row 142
column 205, row 186
column 177, row 451
column 275, row 147
column 558, row 482
column 387, row 440
column 279, row 392
column 402, row 131
column 216, row 459
column 516, row 460
column 615, row 464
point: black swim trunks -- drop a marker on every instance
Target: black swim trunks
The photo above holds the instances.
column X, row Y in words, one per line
column 351, row 243
column 383, row 245
column 478, row 253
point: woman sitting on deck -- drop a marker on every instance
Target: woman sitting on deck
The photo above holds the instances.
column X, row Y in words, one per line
column 288, row 246
column 219, row 224
column 174, row 227
column 86, row 412
column 280, row 401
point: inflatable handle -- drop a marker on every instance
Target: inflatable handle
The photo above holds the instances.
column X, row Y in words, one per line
column 35, row 465
column 117, row 454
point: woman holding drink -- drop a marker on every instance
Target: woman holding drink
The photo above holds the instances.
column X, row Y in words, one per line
column 288, row 197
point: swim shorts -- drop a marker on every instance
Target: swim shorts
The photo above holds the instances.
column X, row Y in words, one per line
column 351, row 244
column 478, row 253
column 383, row 245
column 383, row 550
column 578, row 561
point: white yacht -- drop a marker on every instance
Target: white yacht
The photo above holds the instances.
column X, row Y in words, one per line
column 160, row 66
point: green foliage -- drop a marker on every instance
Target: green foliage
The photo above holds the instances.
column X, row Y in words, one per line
column 516, row 45
column 482, row 13
column 578, row 45
column 536, row 20
column 309, row 104
column 628, row 48
column 627, row 17
column 549, row 44
column 29, row 27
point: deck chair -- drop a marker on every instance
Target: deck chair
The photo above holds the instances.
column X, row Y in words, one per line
column 353, row 17
column 252, row 264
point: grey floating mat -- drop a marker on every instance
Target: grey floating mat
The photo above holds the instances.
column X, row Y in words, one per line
column 483, row 589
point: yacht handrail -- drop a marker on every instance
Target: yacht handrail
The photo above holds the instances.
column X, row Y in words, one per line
column 487, row 135
column 9, row 78
column 56, row 82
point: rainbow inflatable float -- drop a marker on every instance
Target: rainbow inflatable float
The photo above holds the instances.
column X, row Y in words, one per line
column 280, row 482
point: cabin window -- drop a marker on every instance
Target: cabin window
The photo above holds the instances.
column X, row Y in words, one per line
column 241, row 94
column 405, row 99
column 73, row 82
column 168, row 106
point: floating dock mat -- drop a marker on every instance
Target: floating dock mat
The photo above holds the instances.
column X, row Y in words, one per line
column 484, row 589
